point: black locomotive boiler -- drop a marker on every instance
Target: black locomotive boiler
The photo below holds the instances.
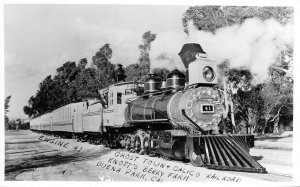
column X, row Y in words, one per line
column 179, row 120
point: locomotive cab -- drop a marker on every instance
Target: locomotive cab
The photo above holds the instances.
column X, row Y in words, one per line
column 116, row 96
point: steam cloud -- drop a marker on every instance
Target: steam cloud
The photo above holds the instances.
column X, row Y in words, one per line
column 254, row 45
column 164, row 50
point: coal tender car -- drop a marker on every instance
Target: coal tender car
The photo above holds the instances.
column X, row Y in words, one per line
column 179, row 118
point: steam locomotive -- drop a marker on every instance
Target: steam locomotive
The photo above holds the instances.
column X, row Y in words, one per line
column 179, row 118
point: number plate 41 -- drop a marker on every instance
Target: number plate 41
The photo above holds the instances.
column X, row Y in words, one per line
column 207, row 108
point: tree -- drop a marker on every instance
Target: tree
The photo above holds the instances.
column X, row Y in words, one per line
column 6, row 109
column 71, row 82
column 140, row 70
column 6, row 104
column 248, row 107
column 86, row 83
column 120, row 73
column 74, row 81
column 31, row 108
column 233, row 80
column 211, row 18
column 64, row 91
column 132, row 72
column 15, row 124
column 144, row 59
column 53, row 93
column 238, row 78
column 276, row 93
column 105, row 70
column 28, row 111
column 82, row 63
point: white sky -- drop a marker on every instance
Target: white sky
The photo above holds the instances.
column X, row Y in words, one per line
column 40, row 38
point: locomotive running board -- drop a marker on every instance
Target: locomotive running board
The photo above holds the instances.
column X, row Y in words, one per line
column 224, row 152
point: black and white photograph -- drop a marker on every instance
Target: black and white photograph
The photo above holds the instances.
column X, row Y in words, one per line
column 149, row 92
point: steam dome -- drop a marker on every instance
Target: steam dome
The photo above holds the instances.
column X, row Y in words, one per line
column 152, row 84
column 175, row 79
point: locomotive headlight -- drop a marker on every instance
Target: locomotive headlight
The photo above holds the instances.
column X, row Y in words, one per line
column 208, row 74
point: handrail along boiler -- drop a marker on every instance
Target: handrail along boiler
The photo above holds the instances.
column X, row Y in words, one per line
column 179, row 120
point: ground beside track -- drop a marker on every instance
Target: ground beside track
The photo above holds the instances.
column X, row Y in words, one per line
column 29, row 157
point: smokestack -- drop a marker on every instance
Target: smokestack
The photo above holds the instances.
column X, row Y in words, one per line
column 188, row 54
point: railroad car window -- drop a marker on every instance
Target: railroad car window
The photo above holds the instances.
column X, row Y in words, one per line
column 106, row 98
column 109, row 101
column 111, row 98
column 119, row 98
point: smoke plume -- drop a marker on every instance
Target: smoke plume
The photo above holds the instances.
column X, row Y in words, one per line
column 164, row 50
column 254, row 45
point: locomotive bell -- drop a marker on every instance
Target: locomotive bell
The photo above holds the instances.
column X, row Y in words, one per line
column 175, row 79
column 163, row 85
column 152, row 83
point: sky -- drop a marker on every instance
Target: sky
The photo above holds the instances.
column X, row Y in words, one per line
column 40, row 38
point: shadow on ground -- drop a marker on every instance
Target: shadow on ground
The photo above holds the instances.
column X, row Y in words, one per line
column 13, row 168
